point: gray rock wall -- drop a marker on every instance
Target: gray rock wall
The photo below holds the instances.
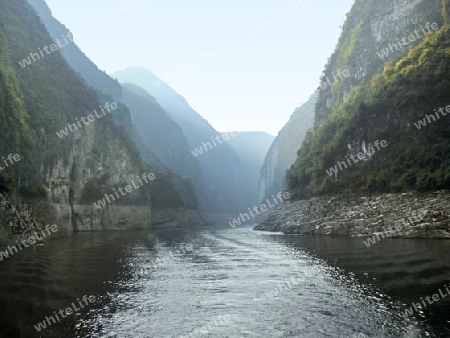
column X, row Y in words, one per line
column 95, row 157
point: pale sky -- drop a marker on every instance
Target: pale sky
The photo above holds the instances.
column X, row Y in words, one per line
column 253, row 82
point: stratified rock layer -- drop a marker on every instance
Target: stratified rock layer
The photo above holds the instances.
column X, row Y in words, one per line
column 415, row 215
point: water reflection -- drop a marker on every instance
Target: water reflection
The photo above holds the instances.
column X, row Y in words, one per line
column 150, row 287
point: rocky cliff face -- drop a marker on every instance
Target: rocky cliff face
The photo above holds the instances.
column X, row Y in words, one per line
column 283, row 151
column 372, row 35
column 18, row 221
column 160, row 142
column 377, row 101
column 163, row 148
column 370, row 38
column 361, row 111
column 71, row 172
column 97, row 162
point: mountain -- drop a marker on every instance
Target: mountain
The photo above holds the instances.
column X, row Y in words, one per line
column 169, row 99
column 62, row 176
column 158, row 129
column 283, row 151
column 165, row 137
column 219, row 162
column 375, row 32
column 75, row 57
column 110, row 89
column 390, row 133
column 251, row 147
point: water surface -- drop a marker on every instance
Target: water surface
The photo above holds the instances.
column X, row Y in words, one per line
column 233, row 283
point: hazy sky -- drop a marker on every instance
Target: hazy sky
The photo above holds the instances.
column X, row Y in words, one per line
column 252, row 82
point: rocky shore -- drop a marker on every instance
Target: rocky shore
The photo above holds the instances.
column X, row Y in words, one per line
column 16, row 221
column 406, row 215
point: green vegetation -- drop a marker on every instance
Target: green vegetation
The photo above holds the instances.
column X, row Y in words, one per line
column 368, row 29
column 446, row 10
column 36, row 190
column 40, row 99
column 281, row 155
column 5, row 183
column 386, row 108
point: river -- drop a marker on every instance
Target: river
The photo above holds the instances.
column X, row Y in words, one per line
column 225, row 282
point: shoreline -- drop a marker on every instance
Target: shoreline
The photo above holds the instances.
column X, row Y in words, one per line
column 411, row 215
column 18, row 222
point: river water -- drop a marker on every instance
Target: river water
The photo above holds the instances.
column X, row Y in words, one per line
column 227, row 283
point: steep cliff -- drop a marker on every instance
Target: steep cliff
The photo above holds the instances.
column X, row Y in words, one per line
column 283, row 151
column 372, row 35
column 62, row 175
column 109, row 89
column 375, row 32
column 75, row 57
column 404, row 109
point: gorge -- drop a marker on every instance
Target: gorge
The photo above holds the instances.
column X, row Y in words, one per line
column 173, row 204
